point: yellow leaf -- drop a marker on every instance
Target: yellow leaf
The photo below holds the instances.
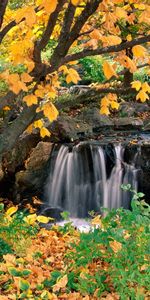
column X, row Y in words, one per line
column 139, row 51
column 146, row 87
column 61, row 283
column 136, row 85
column 115, row 246
column 63, row 69
column 44, row 132
column 73, row 76
column 43, row 219
column 38, row 124
column 108, row 70
column 30, row 99
column 40, row 92
column 10, row 211
column 114, row 105
column 142, row 96
column 139, row 6
column 50, row 111
column 30, row 219
column 25, row 77
column 97, row 221
column 104, row 110
column 129, row 37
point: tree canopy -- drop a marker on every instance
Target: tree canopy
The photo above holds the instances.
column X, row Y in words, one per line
column 68, row 31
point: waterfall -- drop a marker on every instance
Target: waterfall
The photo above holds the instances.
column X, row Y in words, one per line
column 78, row 181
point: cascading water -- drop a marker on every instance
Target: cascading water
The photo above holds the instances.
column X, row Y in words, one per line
column 78, row 180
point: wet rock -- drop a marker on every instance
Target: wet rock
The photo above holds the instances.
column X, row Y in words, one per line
column 39, row 156
column 15, row 159
column 93, row 117
column 133, row 108
column 52, row 212
column 1, row 173
column 71, row 128
column 32, row 178
column 128, row 123
column 145, row 166
column 147, row 124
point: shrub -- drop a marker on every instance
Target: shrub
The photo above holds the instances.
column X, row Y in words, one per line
column 91, row 69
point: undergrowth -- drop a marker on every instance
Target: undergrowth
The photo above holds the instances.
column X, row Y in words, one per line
column 111, row 261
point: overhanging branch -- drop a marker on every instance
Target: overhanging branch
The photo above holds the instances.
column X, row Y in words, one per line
column 105, row 50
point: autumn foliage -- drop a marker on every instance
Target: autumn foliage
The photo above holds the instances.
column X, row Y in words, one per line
column 110, row 262
column 71, row 30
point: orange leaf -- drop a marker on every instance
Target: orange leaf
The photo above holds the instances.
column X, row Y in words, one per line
column 75, row 2
column 139, row 51
column 60, row 284
column 115, row 246
column 73, row 76
column 142, row 96
column 50, row 111
column 146, row 87
column 104, row 110
column 25, row 77
column 30, row 99
column 108, row 70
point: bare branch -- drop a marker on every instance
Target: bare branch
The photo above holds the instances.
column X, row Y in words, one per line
column 5, row 30
column 40, row 45
column 9, row 26
column 110, row 49
column 64, row 45
column 3, row 5
column 12, row 133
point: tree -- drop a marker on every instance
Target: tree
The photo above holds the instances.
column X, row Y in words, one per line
column 71, row 29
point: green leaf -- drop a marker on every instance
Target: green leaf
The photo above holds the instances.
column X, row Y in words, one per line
column 1, row 206
column 24, row 285
column 26, row 272
column 14, row 272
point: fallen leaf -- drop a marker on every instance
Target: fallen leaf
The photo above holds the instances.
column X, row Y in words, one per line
column 60, row 284
column 115, row 246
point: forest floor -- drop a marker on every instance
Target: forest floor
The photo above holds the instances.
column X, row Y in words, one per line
column 110, row 262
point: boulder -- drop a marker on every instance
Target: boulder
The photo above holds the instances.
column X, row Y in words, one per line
column 32, row 178
column 69, row 128
column 128, row 123
column 133, row 108
column 93, row 117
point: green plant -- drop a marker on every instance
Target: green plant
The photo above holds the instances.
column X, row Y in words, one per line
column 121, row 245
column 92, row 69
column 15, row 233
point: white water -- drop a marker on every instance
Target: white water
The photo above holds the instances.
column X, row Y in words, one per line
column 78, row 181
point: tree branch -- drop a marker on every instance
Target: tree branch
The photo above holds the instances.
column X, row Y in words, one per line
column 6, row 29
column 11, row 135
column 3, row 5
column 109, row 49
column 64, row 44
column 40, row 45
column 7, row 100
